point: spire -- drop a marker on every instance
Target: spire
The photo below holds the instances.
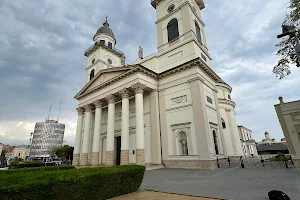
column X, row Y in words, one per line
column 106, row 22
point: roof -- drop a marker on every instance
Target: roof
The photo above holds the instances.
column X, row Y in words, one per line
column 105, row 30
column 272, row 147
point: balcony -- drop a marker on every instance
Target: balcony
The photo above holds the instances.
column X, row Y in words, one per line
column 97, row 44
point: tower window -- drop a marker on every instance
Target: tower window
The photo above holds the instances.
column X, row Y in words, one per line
column 223, row 123
column 92, row 74
column 109, row 61
column 229, row 97
column 93, row 61
column 102, row 41
column 216, row 142
column 173, row 31
column 209, row 100
column 198, row 31
column 110, row 45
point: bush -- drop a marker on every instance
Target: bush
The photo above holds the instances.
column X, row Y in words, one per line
column 26, row 165
column 279, row 158
column 48, row 168
column 92, row 183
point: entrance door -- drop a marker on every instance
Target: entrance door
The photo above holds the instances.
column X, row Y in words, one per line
column 118, row 156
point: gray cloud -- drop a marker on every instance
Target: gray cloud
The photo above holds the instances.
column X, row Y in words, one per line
column 42, row 45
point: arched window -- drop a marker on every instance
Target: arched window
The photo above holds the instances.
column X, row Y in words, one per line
column 216, row 142
column 92, row 74
column 183, row 145
column 110, row 45
column 223, row 123
column 93, row 61
column 198, row 31
column 172, row 28
column 102, row 41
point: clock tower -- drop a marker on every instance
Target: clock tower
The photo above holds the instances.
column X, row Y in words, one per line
column 180, row 30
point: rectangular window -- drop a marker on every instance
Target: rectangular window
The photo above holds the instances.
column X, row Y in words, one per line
column 203, row 57
column 110, row 45
column 198, row 32
column 209, row 100
column 102, row 41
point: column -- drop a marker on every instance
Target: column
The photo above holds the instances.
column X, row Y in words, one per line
column 110, row 153
column 97, row 131
column 78, row 137
column 125, row 127
column 139, row 123
column 224, row 150
column 231, row 131
column 86, row 134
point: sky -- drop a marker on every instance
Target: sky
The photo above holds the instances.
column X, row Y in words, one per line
column 42, row 62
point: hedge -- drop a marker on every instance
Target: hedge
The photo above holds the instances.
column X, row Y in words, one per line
column 91, row 183
column 27, row 164
column 48, row 168
column 279, row 158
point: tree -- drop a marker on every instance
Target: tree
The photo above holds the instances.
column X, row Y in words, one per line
column 4, row 152
column 287, row 44
column 62, row 152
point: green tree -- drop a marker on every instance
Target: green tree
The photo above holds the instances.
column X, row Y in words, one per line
column 287, row 44
column 4, row 152
column 60, row 152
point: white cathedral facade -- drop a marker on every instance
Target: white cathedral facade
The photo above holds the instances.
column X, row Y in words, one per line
column 169, row 108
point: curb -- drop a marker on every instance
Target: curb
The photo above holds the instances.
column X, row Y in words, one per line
column 205, row 197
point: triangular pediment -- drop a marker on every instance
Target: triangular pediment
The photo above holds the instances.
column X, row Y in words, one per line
column 101, row 77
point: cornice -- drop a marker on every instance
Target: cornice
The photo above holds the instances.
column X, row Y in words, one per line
column 219, row 84
column 226, row 101
column 97, row 45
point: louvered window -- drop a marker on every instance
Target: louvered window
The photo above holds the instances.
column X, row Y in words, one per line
column 92, row 74
column 173, row 31
column 110, row 45
column 198, row 31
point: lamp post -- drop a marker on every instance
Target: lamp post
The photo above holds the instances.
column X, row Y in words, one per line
column 291, row 31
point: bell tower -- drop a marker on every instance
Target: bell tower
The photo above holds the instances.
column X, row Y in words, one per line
column 179, row 24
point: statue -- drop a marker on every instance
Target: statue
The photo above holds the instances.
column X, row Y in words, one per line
column 141, row 52
column 123, row 60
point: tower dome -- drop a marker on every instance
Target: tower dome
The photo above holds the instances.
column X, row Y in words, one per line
column 105, row 30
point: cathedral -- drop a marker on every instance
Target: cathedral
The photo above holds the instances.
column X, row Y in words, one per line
column 169, row 108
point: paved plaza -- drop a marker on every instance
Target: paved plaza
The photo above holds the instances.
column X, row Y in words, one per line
column 234, row 183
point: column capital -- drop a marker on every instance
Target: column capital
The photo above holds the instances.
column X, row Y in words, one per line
column 80, row 110
column 124, row 93
column 88, row 108
column 110, row 98
column 98, row 103
column 228, row 110
column 138, row 88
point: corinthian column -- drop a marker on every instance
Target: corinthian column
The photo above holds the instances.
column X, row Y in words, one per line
column 125, row 127
column 110, row 131
column 139, row 123
column 86, row 134
column 78, row 137
column 97, row 130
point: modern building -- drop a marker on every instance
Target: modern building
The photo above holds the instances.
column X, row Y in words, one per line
column 168, row 108
column 248, row 144
column 289, row 117
column 46, row 135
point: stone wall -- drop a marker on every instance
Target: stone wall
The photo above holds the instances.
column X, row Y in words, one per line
column 200, row 164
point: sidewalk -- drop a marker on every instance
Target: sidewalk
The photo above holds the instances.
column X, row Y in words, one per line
column 148, row 195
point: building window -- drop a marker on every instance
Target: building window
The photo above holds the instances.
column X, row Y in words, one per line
column 209, row 100
column 173, row 31
column 102, row 41
column 183, row 145
column 216, row 142
column 92, row 74
column 203, row 57
column 229, row 97
column 198, row 31
column 223, row 123
column 109, row 61
column 19, row 154
column 93, row 61
column 110, row 45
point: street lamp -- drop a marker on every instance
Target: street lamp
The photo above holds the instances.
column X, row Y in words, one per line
column 291, row 31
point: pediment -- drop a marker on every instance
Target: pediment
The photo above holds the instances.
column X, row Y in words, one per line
column 101, row 77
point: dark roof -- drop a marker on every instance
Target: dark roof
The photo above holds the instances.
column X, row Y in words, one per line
column 271, row 147
column 105, row 30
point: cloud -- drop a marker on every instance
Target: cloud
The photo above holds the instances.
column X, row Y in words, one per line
column 42, row 61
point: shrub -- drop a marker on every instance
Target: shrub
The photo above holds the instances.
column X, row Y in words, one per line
column 279, row 158
column 26, row 165
column 92, row 183
column 48, row 168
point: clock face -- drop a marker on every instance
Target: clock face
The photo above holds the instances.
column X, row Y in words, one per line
column 109, row 61
column 171, row 8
